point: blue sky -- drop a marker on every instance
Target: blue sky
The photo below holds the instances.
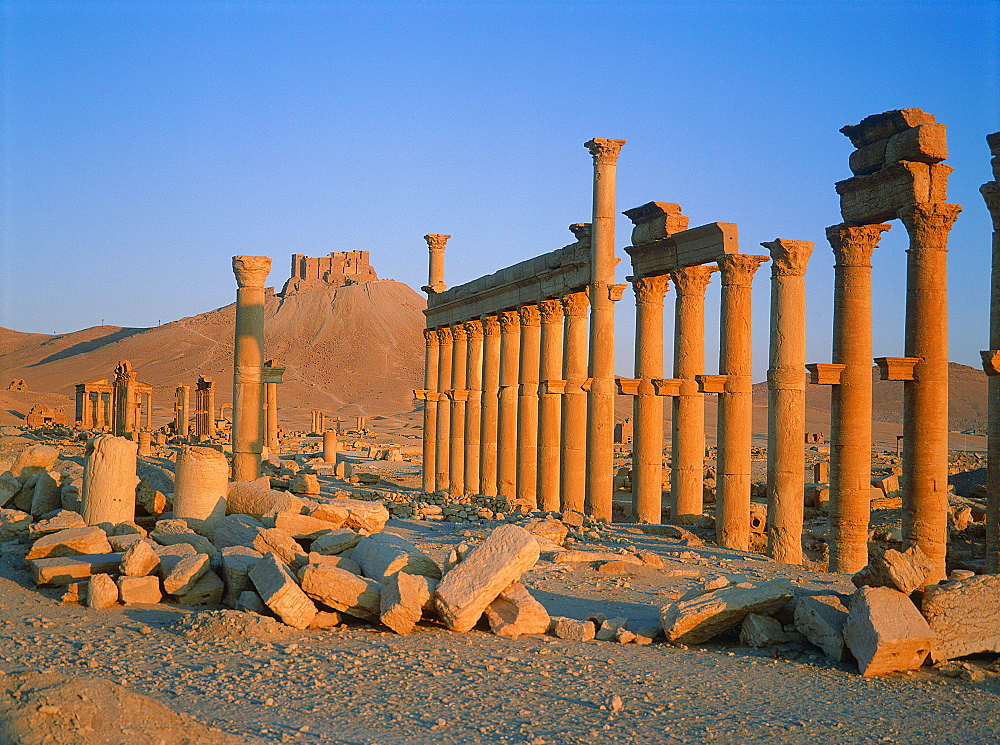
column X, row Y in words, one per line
column 145, row 143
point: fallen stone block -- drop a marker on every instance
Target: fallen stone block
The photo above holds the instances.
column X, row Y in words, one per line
column 330, row 512
column 336, row 542
column 905, row 571
column 342, row 590
column 149, row 499
column 67, row 569
column 761, row 631
column 13, row 523
column 403, row 599
column 964, row 615
column 325, row 620
column 489, row 568
column 579, row 557
column 885, row 632
column 32, row 460
column 237, row 561
column 236, row 530
column 571, row 629
column 139, row 590
column 63, row 520
column 170, row 555
column 102, row 592
column 383, row 554
column 250, row 601
column 172, row 532
column 341, row 562
column 257, row 499
column 700, row 618
column 9, row 487
column 75, row 592
column 278, row 589
column 550, row 529
column 572, row 519
column 280, row 543
column 370, row 517
column 185, row 574
column 122, row 543
column 820, row 619
column 139, row 560
column 70, row 542
column 514, row 612
column 207, row 590
column 647, row 635
column 304, row 484
column 302, row 526
column 608, row 627
column 46, row 496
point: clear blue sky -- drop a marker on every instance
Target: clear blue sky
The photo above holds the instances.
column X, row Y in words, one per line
column 146, row 142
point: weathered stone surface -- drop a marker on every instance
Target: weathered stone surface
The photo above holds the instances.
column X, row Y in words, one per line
column 139, row 559
column 14, row 523
column 571, row 629
column 330, row 512
column 251, row 601
column 302, row 526
column 370, row 517
column 885, row 631
column 820, row 619
column 325, row 620
column 486, row 571
column 607, row 628
column 514, row 612
column 237, row 561
column 257, row 499
column 45, row 498
column 68, row 569
column 699, row 619
column 149, row 499
column 172, row 532
column 9, row 487
column 139, row 590
column 403, row 599
column 875, row 198
column 964, row 615
column 206, row 591
column 70, row 542
column 341, row 562
column 278, row 589
column 342, row 590
column 200, row 486
column 647, row 635
column 170, row 555
column 185, row 574
column 905, row 571
column 122, row 543
column 577, row 557
column 551, row 530
column 33, row 460
column 102, row 592
column 236, row 530
column 304, row 484
column 761, row 631
column 383, row 554
column 109, row 479
column 336, row 542
column 280, row 543
column 62, row 521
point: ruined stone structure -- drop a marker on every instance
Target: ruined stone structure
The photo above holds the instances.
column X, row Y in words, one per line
column 248, row 365
column 318, row 422
column 991, row 364
column 624, row 431
column 45, row 416
column 204, row 414
column 18, row 385
column 336, row 269
column 182, row 412
column 115, row 406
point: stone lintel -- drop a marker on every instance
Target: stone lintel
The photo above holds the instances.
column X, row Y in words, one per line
column 896, row 368
column 711, row 383
column 655, row 221
column 883, row 126
column 701, row 245
column 991, row 361
column 875, row 198
column 667, row 386
column 552, row 386
column 825, row 373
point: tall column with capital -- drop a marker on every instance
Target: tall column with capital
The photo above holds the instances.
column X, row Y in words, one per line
column 851, row 399
column 647, row 407
column 430, row 395
column 527, row 404
column 573, row 468
column 457, row 395
column 491, row 403
column 549, row 401
column 991, row 364
column 734, row 436
column 181, row 409
column 601, row 396
column 442, row 450
column 786, row 399
column 473, row 411
column 687, row 449
column 925, row 397
column 510, row 344
column 124, row 392
column 248, row 390
column 435, row 246
column 272, row 375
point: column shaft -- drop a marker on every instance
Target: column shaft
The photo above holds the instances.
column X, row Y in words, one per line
column 991, row 193
column 550, row 369
column 248, row 389
column 473, row 411
column 573, row 468
column 456, row 458
column 272, row 416
column 510, row 338
column 443, row 447
column 527, row 405
column 491, row 403
column 430, row 409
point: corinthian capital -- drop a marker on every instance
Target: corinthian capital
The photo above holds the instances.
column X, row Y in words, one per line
column 551, row 311
column 474, row 329
column 789, row 258
column 575, row 304
column 444, row 335
column 491, row 326
column 605, row 151
column 581, row 231
column 458, row 332
column 510, row 320
column 251, row 271
column 650, row 290
column 431, row 337
column 853, row 244
column 928, row 224
column 436, row 241
column 738, row 269
column 530, row 315
column 692, row 280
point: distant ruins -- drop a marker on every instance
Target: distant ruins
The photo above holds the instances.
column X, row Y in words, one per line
column 119, row 406
column 336, row 269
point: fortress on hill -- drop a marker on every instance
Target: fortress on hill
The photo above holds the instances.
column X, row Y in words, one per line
column 336, row 269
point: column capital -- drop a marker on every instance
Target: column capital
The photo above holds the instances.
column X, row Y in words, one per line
column 124, row 373
column 530, row 315
column 738, row 269
column 991, row 193
column 615, row 292
column 928, row 224
column 575, row 304
column 510, row 320
column 251, row 271
column 474, row 329
column 582, row 231
column 551, row 311
column 491, row 326
column 444, row 335
column 789, row 258
column 431, row 337
column 650, row 290
column 605, row 151
column 853, row 244
column 692, row 280
column 458, row 332
column 436, row 241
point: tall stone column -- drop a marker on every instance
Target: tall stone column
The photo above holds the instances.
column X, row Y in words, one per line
column 925, row 397
column 527, row 404
column 491, row 404
column 647, row 407
column 549, row 371
column 735, row 422
column 851, row 399
column 786, row 399
column 442, row 451
column 991, row 364
column 457, row 395
column 601, row 396
column 125, row 409
column 149, row 411
column 182, row 398
column 435, row 246
column 573, row 468
column 205, row 408
column 473, row 406
column 510, row 344
column 330, row 446
column 248, row 390
column 271, row 377
column 431, row 354
column 687, row 450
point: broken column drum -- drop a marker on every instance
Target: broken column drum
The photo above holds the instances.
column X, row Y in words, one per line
column 109, row 479
column 200, row 484
column 330, row 446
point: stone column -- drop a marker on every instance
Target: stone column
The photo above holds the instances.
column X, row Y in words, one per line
column 205, row 421
column 527, row 405
column 851, row 399
column 109, row 481
column 181, row 410
column 435, row 279
column 473, row 406
column 443, row 448
column 647, row 407
column 735, row 423
column 510, row 343
column 149, row 410
column 330, row 446
column 248, row 390
column 491, row 403
column 430, row 408
column 601, row 396
column 573, row 468
column 458, row 395
column 145, row 442
column 786, row 399
column 687, row 450
column 271, row 378
column 125, row 409
column 550, row 374
column 991, row 360
column 200, row 484
column 925, row 397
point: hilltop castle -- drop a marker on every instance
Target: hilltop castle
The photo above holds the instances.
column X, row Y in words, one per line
column 336, row 269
